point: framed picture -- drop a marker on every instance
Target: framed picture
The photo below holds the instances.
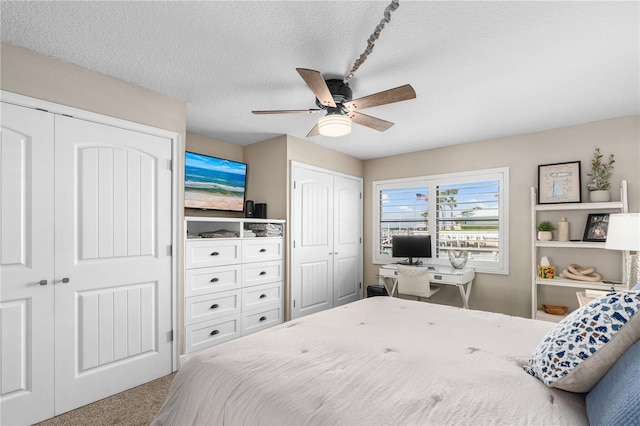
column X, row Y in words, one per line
column 597, row 227
column 559, row 183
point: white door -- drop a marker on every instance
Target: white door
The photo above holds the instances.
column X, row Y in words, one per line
column 326, row 255
column 347, row 240
column 26, row 276
column 312, row 240
column 113, row 260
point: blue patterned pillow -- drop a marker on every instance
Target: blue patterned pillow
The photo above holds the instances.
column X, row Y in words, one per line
column 580, row 350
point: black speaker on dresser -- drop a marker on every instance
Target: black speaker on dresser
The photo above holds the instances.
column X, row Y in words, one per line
column 249, row 209
column 260, row 210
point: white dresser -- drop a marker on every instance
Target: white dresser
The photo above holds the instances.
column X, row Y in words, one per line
column 234, row 277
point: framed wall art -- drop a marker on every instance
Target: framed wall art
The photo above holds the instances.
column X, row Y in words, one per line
column 596, row 227
column 559, row 183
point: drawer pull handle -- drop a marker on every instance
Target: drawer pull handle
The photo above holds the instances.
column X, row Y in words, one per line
column 43, row 282
column 214, row 332
column 263, row 250
column 214, row 306
column 263, row 273
column 262, row 296
column 263, row 318
column 214, row 280
column 215, row 253
column 437, row 277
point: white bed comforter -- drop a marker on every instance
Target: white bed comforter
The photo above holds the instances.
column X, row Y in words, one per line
column 380, row 360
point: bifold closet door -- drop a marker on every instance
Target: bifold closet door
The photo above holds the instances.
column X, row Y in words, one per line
column 312, row 233
column 326, row 265
column 27, row 271
column 113, row 260
column 347, row 240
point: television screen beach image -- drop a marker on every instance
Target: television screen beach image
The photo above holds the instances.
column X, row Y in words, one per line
column 213, row 183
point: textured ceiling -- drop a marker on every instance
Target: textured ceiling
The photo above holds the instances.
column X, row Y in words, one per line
column 480, row 69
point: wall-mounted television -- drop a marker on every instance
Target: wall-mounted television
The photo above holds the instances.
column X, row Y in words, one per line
column 212, row 183
column 411, row 247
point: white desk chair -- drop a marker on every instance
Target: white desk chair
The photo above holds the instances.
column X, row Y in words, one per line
column 414, row 281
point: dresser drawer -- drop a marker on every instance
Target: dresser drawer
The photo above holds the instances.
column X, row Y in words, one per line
column 207, row 280
column 209, row 333
column 252, row 322
column 259, row 296
column 261, row 249
column 211, row 306
column 262, row 273
column 203, row 253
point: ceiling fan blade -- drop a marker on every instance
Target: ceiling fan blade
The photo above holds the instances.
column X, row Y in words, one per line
column 318, row 86
column 314, row 131
column 368, row 121
column 390, row 96
column 288, row 111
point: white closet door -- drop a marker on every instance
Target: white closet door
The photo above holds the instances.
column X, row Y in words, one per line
column 113, row 235
column 312, row 233
column 347, row 241
column 26, row 170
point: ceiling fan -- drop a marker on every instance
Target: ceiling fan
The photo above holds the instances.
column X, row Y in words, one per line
column 334, row 96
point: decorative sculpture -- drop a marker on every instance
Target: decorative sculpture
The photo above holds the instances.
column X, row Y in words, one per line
column 581, row 273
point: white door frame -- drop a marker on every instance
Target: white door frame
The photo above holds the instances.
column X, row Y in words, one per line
column 29, row 102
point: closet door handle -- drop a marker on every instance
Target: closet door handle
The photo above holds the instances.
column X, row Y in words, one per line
column 214, row 332
column 43, row 282
column 214, row 306
column 263, row 319
column 263, row 250
column 214, row 280
column 262, row 296
column 215, row 253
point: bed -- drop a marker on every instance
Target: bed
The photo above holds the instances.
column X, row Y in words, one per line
column 379, row 360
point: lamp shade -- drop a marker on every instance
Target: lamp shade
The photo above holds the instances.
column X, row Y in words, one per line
column 623, row 232
column 334, row 125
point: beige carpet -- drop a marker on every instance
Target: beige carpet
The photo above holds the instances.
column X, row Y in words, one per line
column 137, row 406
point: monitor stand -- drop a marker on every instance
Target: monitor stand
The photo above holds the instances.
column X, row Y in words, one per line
column 410, row 261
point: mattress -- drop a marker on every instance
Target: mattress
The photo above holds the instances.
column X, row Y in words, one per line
column 379, row 360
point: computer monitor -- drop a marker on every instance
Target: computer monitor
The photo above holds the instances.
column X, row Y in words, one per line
column 411, row 247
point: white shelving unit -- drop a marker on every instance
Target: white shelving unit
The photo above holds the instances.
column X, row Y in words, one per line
column 565, row 249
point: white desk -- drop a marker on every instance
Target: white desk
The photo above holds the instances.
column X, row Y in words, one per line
column 462, row 278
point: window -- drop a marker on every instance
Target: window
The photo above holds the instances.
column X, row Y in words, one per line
column 462, row 211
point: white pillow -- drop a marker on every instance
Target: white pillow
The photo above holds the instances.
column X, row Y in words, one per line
column 581, row 349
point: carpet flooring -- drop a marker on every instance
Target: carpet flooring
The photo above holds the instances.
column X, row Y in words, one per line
column 136, row 406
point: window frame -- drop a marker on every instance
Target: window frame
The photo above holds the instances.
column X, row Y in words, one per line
column 431, row 182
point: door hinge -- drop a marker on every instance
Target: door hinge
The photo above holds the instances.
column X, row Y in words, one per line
column 170, row 336
column 170, row 250
column 170, row 165
column 361, row 195
column 294, row 303
column 294, row 184
column 360, row 286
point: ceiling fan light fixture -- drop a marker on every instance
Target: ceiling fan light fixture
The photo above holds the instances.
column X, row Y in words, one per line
column 334, row 125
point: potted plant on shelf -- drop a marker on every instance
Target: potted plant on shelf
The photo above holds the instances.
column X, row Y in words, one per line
column 544, row 230
column 600, row 173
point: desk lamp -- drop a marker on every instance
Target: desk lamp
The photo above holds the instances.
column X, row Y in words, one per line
column 623, row 233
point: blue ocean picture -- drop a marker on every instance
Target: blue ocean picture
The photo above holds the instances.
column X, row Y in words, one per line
column 214, row 183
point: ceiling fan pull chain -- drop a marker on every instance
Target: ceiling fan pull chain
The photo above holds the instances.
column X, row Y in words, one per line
column 372, row 39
